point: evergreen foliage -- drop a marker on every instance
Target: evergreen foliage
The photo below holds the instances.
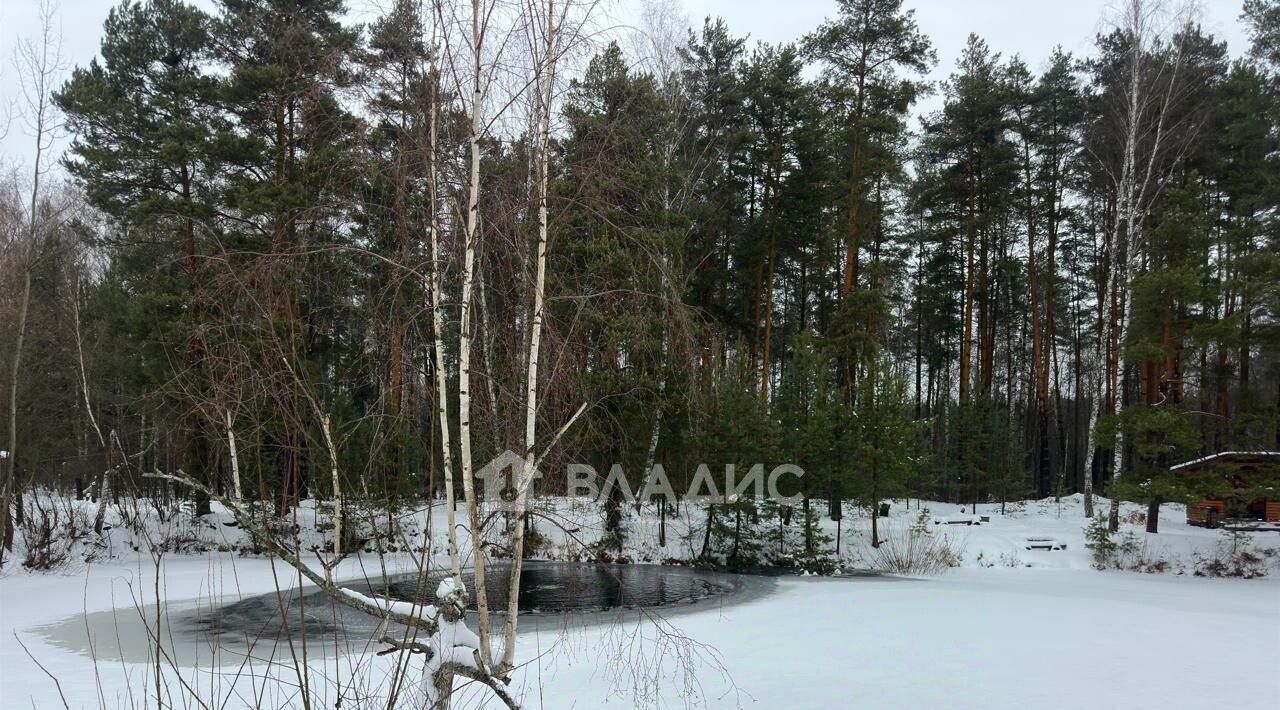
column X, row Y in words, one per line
column 753, row 260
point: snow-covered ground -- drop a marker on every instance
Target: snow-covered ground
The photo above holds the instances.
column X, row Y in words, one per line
column 1009, row 628
column 986, row 639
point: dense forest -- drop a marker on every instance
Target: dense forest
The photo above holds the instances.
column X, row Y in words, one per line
column 282, row 237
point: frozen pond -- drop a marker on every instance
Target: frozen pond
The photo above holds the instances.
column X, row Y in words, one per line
column 553, row 595
column 545, row 588
column 557, row 587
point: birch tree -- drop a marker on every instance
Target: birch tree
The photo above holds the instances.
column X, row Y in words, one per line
column 38, row 62
column 435, row 290
column 543, row 91
column 1151, row 134
column 481, row 14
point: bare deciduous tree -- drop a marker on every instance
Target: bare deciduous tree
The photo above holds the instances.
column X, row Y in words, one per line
column 39, row 64
column 1151, row 135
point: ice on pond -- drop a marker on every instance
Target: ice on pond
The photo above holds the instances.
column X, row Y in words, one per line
column 198, row 632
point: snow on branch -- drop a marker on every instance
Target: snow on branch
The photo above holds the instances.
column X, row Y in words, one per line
column 392, row 611
column 451, row 647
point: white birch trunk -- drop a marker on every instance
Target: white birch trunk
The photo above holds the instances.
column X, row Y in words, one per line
column 1127, row 244
column 486, row 346
column 1094, row 409
column 337, row 486
column 235, row 459
column 1135, row 194
column 1120, row 237
column 464, row 338
column 437, row 321
column 105, row 489
column 100, row 516
column 544, row 88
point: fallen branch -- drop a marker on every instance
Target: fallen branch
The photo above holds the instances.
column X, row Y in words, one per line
column 381, row 608
column 485, row 678
column 441, row 622
column 402, row 645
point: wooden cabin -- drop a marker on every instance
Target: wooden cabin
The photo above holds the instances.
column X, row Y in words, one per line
column 1242, row 469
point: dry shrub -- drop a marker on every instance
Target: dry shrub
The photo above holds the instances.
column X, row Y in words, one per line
column 1235, row 556
column 911, row 549
column 1134, row 517
column 53, row 528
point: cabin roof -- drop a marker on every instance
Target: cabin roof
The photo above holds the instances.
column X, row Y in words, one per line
column 1226, row 455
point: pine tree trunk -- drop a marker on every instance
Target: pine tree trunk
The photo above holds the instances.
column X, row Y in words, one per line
column 1040, row 457
column 768, row 322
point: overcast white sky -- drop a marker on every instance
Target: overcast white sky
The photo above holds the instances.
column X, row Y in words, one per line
column 1029, row 28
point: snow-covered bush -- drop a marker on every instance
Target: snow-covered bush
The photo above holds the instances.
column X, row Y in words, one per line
column 1235, row 556
column 608, row 548
column 747, row 535
column 1108, row 547
column 816, row 557
column 156, row 525
column 736, row 540
column 1005, row 559
column 1011, row 559
column 1098, row 538
column 52, row 531
column 1121, row 550
column 1134, row 517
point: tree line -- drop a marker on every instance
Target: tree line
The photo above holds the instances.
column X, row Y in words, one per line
column 287, row 238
